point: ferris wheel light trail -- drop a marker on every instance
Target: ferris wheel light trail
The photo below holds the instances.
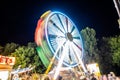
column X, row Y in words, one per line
column 116, row 6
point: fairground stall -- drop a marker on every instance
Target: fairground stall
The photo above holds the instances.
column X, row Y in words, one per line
column 93, row 68
column 6, row 65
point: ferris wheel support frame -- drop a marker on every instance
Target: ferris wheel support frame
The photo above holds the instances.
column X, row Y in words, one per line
column 59, row 64
column 61, row 61
column 52, row 60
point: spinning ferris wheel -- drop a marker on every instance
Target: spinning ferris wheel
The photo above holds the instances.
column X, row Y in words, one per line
column 58, row 37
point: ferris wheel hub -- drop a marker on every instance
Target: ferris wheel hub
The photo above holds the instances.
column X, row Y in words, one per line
column 69, row 36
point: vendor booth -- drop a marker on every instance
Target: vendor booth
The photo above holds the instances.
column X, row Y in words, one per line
column 6, row 64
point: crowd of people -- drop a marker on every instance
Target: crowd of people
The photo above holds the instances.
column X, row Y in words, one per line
column 110, row 76
column 73, row 76
column 66, row 74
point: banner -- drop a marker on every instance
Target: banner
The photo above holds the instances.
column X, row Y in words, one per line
column 7, row 60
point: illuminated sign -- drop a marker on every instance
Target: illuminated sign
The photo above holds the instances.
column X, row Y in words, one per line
column 94, row 68
column 7, row 60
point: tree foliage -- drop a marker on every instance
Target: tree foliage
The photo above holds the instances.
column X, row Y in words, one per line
column 1, row 49
column 32, row 44
column 115, row 49
column 25, row 56
column 105, row 55
column 90, row 44
column 9, row 48
column 109, row 53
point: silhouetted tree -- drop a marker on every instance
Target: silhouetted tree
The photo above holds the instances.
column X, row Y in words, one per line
column 1, row 49
column 105, row 55
column 9, row 48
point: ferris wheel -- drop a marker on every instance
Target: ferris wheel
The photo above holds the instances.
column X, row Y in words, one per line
column 59, row 29
column 56, row 35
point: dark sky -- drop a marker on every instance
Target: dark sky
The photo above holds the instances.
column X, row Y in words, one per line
column 18, row 19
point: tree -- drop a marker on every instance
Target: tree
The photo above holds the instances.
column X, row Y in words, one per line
column 25, row 56
column 90, row 45
column 32, row 44
column 109, row 54
column 1, row 49
column 9, row 48
column 116, row 57
column 105, row 55
column 115, row 49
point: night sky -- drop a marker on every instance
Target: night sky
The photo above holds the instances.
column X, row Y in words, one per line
column 18, row 19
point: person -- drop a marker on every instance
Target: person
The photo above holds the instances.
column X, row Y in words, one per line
column 109, row 77
column 46, row 78
column 104, row 77
column 15, row 77
column 93, row 77
column 117, row 78
column 82, row 77
column 113, row 77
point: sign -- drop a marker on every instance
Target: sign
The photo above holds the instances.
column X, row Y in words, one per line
column 7, row 60
column 94, row 68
